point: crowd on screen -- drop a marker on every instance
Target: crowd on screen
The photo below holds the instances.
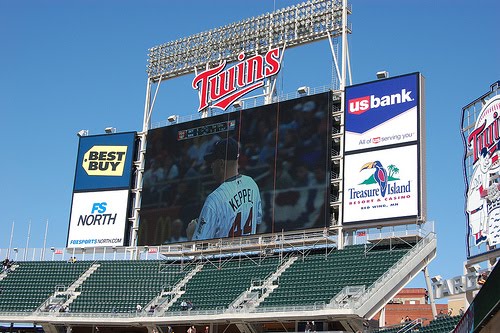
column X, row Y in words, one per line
column 280, row 149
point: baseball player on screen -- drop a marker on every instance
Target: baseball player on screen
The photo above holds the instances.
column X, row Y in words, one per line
column 234, row 208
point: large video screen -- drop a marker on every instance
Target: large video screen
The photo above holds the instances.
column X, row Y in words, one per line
column 255, row 171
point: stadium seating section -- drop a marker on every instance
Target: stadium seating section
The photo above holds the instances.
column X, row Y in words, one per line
column 31, row 283
column 443, row 324
column 319, row 277
column 118, row 286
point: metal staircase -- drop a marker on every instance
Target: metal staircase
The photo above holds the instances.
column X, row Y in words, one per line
column 167, row 298
column 366, row 304
column 63, row 297
column 260, row 290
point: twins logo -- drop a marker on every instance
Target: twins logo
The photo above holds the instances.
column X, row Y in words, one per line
column 223, row 87
column 486, row 133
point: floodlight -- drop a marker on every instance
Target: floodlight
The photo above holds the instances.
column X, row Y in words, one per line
column 81, row 133
column 172, row 118
column 337, row 118
column 474, row 268
column 303, row 90
column 436, row 278
column 188, row 54
column 110, row 130
column 238, row 104
column 382, row 75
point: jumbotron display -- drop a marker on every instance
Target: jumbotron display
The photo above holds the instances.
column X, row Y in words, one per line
column 260, row 170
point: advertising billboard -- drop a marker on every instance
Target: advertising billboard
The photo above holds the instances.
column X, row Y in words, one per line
column 382, row 113
column 98, row 219
column 381, row 184
column 280, row 152
column 103, row 178
column 384, row 178
column 104, row 162
column 482, row 163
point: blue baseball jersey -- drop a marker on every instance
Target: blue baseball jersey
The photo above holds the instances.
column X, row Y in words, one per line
column 233, row 209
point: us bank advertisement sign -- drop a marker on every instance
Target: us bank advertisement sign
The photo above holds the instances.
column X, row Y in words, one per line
column 381, row 184
column 98, row 219
column 382, row 113
column 104, row 162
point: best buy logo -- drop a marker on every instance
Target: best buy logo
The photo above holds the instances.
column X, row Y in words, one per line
column 105, row 160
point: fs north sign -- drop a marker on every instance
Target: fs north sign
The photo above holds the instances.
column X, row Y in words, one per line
column 98, row 219
column 382, row 113
column 104, row 162
column 219, row 87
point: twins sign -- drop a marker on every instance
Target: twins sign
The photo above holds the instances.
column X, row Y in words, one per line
column 382, row 113
column 219, row 87
column 483, row 189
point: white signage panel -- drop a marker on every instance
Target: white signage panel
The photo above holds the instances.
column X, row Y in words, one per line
column 98, row 219
column 381, row 184
column 382, row 113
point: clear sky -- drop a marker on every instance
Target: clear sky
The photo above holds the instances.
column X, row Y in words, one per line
column 72, row 65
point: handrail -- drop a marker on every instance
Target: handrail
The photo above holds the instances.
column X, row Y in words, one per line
column 384, row 278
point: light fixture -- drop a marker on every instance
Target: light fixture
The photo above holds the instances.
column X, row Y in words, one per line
column 436, row 279
column 172, row 118
column 81, row 133
column 226, row 43
column 382, row 75
column 303, row 90
column 238, row 104
column 474, row 268
column 337, row 118
column 109, row 130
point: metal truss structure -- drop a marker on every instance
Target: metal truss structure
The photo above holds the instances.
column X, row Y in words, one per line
column 296, row 25
column 287, row 27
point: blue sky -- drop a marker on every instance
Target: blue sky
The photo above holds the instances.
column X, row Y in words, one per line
column 72, row 65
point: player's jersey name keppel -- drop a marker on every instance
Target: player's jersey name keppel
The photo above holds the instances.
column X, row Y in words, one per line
column 241, row 197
